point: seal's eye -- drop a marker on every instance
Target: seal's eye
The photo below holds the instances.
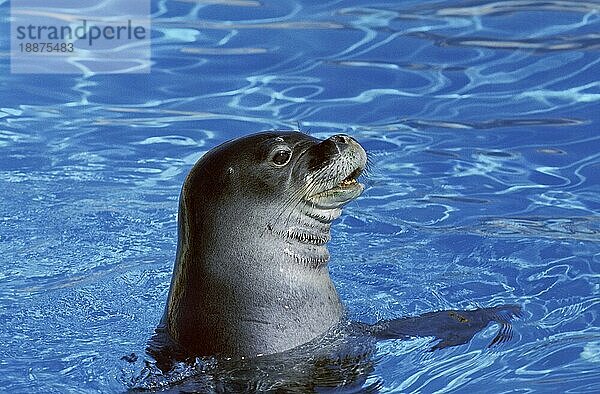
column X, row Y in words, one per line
column 281, row 157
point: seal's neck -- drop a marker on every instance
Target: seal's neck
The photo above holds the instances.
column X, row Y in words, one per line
column 306, row 234
column 240, row 291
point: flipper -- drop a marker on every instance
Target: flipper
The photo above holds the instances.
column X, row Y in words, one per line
column 450, row 327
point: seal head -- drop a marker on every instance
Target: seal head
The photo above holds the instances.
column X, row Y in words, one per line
column 251, row 273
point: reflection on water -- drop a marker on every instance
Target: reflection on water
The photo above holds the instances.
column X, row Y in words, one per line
column 506, row 7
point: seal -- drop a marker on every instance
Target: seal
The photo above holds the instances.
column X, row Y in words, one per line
column 251, row 275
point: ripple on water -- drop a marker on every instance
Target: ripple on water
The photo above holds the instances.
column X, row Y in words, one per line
column 579, row 228
column 481, row 122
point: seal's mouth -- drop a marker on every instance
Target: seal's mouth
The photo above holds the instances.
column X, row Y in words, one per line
column 351, row 179
column 349, row 183
column 341, row 193
column 338, row 190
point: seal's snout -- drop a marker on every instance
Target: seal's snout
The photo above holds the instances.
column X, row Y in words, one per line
column 336, row 164
column 336, row 144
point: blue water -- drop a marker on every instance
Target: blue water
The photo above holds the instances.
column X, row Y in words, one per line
column 481, row 120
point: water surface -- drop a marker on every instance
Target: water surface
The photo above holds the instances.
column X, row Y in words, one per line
column 481, row 119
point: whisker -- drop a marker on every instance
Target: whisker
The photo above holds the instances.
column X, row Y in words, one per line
column 290, row 204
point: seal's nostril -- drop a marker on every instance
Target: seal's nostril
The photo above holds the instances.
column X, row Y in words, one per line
column 333, row 145
column 340, row 138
